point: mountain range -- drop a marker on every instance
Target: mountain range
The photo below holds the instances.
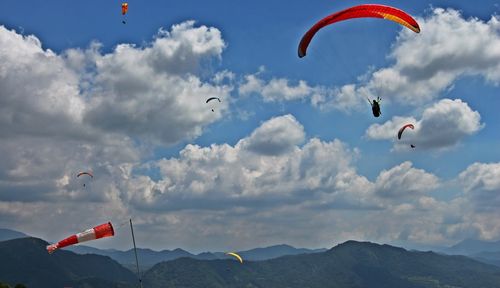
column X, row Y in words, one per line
column 351, row 264
column 348, row 265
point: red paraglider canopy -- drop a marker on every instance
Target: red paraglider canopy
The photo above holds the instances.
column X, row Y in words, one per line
column 361, row 11
column 400, row 132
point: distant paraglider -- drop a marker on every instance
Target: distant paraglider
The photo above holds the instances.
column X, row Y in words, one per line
column 361, row 11
column 235, row 255
column 402, row 129
column 124, row 10
column 101, row 231
column 213, row 98
column 89, row 174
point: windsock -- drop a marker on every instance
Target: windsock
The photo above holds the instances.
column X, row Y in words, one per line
column 101, row 231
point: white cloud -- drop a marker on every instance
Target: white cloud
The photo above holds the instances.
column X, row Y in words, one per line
column 404, row 181
column 276, row 89
column 39, row 94
column 442, row 125
column 267, row 167
column 154, row 92
column 481, row 182
column 280, row 89
column 276, row 136
column 151, row 92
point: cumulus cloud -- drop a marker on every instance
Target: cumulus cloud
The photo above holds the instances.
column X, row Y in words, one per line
column 314, row 187
column 154, row 92
column 405, row 181
column 39, row 93
column 276, row 136
column 265, row 167
column 151, row 92
column 441, row 125
column 280, row 89
column 481, row 182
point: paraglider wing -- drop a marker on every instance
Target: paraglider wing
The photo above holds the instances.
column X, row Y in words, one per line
column 124, row 8
column 212, row 98
column 101, row 231
column 85, row 173
column 361, row 11
column 236, row 256
column 400, row 132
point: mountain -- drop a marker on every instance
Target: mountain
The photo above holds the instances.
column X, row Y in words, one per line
column 147, row 257
column 26, row 261
column 472, row 246
column 492, row 258
column 351, row 264
column 259, row 254
column 7, row 234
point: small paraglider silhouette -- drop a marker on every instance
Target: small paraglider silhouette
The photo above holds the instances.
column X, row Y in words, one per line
column 212, row 98
column 85, row 173
column 124, row 10
column 375, row 106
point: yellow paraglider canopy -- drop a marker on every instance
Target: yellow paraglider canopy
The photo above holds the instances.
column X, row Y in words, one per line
column 236, row 256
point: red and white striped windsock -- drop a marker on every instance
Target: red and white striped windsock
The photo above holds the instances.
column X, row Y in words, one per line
column 101, row 231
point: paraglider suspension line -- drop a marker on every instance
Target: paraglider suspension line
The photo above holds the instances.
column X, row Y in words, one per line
column 135, row 251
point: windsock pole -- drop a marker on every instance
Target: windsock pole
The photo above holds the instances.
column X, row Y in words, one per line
column 135, row 251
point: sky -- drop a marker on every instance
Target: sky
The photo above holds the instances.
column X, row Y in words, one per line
column 292, row 153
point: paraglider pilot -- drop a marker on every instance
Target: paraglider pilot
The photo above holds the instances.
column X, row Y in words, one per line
column 376, row 106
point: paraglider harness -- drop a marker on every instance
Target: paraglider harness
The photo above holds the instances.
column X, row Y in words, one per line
column 376, row 106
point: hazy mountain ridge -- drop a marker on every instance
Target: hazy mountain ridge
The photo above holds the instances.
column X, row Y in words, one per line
column 473, row 246
column 148, row 258
column 8, row 234
column 484, row 251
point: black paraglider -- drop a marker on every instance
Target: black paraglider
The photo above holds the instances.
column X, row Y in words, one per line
column 212, row 98
column 376, row 106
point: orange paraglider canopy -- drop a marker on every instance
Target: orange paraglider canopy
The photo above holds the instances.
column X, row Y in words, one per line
column 124, row 8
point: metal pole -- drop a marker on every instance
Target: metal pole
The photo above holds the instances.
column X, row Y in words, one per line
column 135, row 251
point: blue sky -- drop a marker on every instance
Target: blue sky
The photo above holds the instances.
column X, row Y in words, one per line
column 293, row 141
